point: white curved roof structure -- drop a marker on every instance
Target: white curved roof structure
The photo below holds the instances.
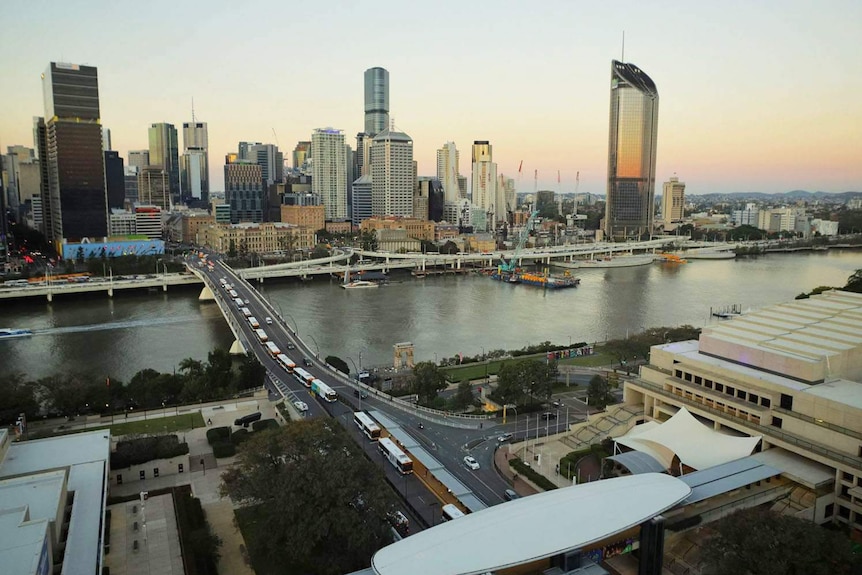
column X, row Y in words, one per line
column 532, row 528
column 696, row 445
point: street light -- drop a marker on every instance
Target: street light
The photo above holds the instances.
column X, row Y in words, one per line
column 295, row 325
column 317, row 347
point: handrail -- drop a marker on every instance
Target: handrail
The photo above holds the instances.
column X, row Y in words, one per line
column 819, row 422
column 854, row 462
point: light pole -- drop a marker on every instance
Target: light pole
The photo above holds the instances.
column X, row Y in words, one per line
column 316, row 347
column 295, row 325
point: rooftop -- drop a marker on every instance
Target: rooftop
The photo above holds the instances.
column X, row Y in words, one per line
column 22, row 542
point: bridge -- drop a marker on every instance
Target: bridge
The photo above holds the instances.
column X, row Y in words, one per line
column 51, row 289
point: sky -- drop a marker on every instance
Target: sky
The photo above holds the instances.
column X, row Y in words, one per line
column 753, row 96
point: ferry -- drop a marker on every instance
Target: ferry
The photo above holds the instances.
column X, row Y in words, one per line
column 8, row 333
column 359, row 284
column 537, row 279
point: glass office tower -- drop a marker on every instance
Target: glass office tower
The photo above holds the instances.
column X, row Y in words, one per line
column 376, row 100
column 629, row 208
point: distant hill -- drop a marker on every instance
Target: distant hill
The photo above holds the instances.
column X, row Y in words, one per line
column 778, row 196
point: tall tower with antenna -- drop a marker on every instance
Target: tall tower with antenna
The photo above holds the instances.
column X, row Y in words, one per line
column 194, row 164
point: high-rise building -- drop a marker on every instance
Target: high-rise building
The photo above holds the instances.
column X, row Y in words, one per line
column 392, row 174
column 196, row 142
column 106, row 139
column 360, row 200
column 40, row 139
column 363, row 154
column 485, row 181
column 165, row 153
column 115, row 183
column 15, row 157
column 139, row 158
column 244, row 150
column 448, row 171
column 673, row 201
column 329, row 171
column 270, row 160
column 244, row 191
column 131, row 183
column 376, row 101
column 301, row 154
column 629, row 207
column 154, row 187
column 73, row 152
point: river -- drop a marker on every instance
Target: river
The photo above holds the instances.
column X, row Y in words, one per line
column 440, row 316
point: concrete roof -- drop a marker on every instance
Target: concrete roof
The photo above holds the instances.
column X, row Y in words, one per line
column 840, row 391
column 748, row 372
column 800, row 469
column 40, row 492
column 543, row 525
column 22, row 542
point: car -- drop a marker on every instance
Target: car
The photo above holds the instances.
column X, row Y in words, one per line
column 505, row 437
column 305, row 361
column 300, row 406
column 268, row 320
column 291, row 346
column 471, row 462
column 549, row 415
column 557, row 403
column 360, row 393
column 511, row 494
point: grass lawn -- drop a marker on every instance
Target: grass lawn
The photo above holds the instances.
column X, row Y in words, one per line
column 477, row 370
column 182, row 422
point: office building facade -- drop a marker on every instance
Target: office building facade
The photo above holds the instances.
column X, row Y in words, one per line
column 73, row 153
column 376, row 101
column 329, row 171
column 165, row 153
column 360, row 200
column 448, row 171
column 154, row 187
column 392, row 174
column 115, row 179
column 196, row 170
column 673, row 201
column 484, row 181
column 270, row 160
column 629, row 208
column 244, row 191
column 139, row 158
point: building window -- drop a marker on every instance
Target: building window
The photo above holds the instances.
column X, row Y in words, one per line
column 708, row 383
column 688, row 377
column 765, row 402
column 119, row 478
column 731, row 391
column 786, row 402
column 698, row 380
column 155, row 471
column 740, row 393
column 829, row 510
column 180, row 468
column 847, row 477
column 719, row 387
column 776, row 422
column 753, row 398
column 843, row 512
column 142, row 475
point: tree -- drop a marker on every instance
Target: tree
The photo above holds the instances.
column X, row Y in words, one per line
column 74, row 393
column 449, row 248
column 526, row 379
column 338, row 364
column 19, row 396
column 854, row 282
column 368, row 240
column 463, row 397
column 762, row 542
column 319, row 251
column 251, row 372
column 599, row 392
column 321, row 505
column 428, row 381
column 231, row 249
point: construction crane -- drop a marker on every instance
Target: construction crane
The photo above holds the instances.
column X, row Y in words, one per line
column 509, row 267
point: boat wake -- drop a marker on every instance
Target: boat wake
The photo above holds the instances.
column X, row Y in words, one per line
column 115, row 325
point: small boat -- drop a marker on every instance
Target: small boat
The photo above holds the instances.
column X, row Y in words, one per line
column 8, row 333
column 359, row 284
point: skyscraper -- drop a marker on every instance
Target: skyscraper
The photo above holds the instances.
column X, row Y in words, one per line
column 448, row 161
column 271, row 161
column 673, row 201
column 376, row 101
column 165, row 153
column 139, row 158
column 329, row 171
column 629, row 208
column 244, row 190
column 301, row 153
column 392, row 174
column 196, row 160
column 115, row 183
column 73, row 150
column 485, row 182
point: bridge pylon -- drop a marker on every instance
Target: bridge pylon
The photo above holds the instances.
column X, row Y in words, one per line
column 206, row 294
column 237, row 348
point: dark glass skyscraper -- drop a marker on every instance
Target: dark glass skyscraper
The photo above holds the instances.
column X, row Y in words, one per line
column 73, row 153
column 376, row 101
column 115, row 179
column 165, row 153
column 631, row 153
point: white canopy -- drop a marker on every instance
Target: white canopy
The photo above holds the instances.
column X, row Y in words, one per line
column 696, row 445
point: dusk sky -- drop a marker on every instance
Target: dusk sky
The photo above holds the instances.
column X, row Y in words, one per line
column 754, row 96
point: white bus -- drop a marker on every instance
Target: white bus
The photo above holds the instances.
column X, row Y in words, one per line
column 246, row 312
column 252, row 321
column 323, row 391
column 272, row 349
column 286, row 362
column 261, row 335
column 367, row 425
column 451, row 512
column 303, row 376
column 396, row 457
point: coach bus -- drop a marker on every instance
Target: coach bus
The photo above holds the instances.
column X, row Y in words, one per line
column 286, row 363
column 323, row 391
column 451, row 512
column 367, row 425
column 252, row 321
column 303, row 376
column 272, row 349
column 261, row 335
column 396, row 457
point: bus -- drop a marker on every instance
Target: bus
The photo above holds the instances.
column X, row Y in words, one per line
column 367, row 425
column 238, row 302
column 396, row 457
column 272, row 349
column 451, row 512
column 246, row 312
column 261, row 335
column 303, row 376
column 252, row 321
column 323, row 391
column 286, row 362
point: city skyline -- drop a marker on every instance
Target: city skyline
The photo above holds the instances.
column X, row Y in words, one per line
column 753, row 98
